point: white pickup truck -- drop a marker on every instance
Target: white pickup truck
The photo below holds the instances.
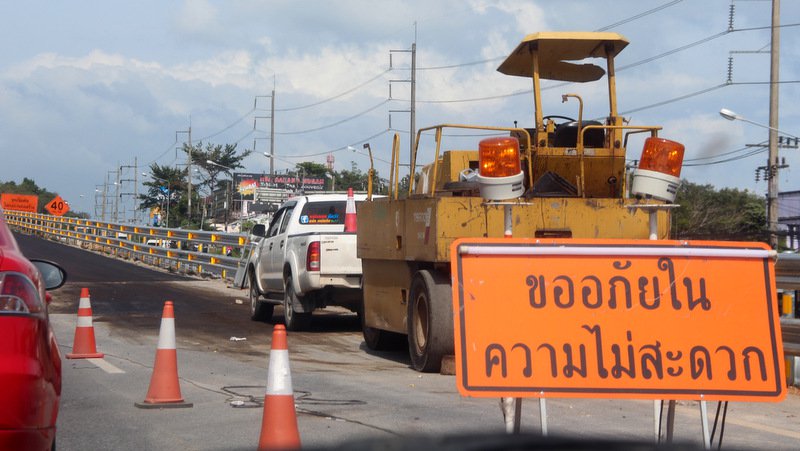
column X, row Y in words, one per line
column 304, row 261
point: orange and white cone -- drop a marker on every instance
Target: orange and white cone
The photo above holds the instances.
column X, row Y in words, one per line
column 350, row 223
column 165, row 390
column 84, row 346
column 279, row 423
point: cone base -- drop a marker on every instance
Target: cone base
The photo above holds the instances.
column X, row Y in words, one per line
column 96, row 355
column 163, row 405
column 279, row 423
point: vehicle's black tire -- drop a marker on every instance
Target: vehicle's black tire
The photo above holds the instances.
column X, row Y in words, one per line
column 430, row 321
column 293, row 319
column 259, row 310
column 381, row 340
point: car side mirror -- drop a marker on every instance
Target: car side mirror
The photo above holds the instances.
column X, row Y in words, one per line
column 259, row 230
column 53, row 275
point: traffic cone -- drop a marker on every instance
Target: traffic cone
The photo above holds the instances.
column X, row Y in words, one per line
column 350, row 223
column 84, row 346
column 279, row 423
column 165, row 390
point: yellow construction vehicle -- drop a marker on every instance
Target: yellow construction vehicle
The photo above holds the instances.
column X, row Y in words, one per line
column 568, row 179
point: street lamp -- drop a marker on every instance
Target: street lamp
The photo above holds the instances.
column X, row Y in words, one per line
column 731, row 116
column 772, row 172
column 371, row 171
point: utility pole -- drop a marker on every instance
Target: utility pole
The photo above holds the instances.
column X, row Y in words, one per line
column 774, row 78
column 413, row 81
column 189, row 166
column 271, row 126
column 413, row 128
column 135, row 192
column 272, row 132
column 116, row 197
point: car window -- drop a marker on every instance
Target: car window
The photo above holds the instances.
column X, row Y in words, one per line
column 328, row 212
column 275, row 223
column 285, row 222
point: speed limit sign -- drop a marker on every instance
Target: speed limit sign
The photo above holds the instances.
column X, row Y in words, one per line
column 57, row 206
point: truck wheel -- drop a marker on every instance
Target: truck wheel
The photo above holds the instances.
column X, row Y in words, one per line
column 430, row 321
column 382, row 340
column 294, row 320
column 259, row 310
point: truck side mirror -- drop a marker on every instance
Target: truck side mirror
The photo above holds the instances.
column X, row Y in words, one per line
column 259, row 230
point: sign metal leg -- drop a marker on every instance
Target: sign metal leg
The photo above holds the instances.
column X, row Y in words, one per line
column 704, row 425
column 657, row 404
column 670, row 420
column 543, row 415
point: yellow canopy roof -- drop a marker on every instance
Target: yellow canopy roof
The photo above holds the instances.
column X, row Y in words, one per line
column 556, row 48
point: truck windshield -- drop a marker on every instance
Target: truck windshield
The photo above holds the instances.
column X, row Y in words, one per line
column 328, row 212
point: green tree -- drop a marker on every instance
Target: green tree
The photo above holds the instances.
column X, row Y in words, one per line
column 727, row 214
column 356, row 179
column 165, row 189
column 312, row 169
column 225, row 156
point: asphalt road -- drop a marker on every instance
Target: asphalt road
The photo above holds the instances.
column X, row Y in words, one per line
column 344, row 393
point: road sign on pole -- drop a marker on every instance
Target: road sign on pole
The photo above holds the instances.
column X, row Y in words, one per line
column 57, row 206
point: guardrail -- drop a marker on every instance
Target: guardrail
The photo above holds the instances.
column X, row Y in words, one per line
column 790, row 327
column 197, row 252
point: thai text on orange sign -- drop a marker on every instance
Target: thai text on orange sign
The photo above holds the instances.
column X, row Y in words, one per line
column 20, row 202
column 616, row 319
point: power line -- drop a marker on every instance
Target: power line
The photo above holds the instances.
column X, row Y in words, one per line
column 676, row 50
column 637, row 63
column 768, row 27
column 763, row 82
column 474, row 99
column 718, row 155
column 640, row 15
column 675, row 99
column 498, row 58
column 300, row 132
column 750, row 152
column 228, row 127
column 338, row 149
column 171, row 146
column 471, row 63
column 336, row 96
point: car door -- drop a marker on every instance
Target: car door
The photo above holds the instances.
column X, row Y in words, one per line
column 277, row 255
column 267, row 249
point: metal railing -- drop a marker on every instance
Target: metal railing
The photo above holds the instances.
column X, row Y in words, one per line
column 192, row 252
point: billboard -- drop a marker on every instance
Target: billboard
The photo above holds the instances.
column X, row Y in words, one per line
column 20, row 202
column 246, row 184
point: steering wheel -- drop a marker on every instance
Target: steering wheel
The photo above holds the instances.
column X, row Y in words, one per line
column 555, row 116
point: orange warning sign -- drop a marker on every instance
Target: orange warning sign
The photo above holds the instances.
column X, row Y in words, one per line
column 57, row 206
column 20, row 202
column 616, row 319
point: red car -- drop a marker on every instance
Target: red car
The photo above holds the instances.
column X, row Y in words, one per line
column 30, row 362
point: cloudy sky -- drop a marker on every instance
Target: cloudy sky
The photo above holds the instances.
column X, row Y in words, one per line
column 88, row 87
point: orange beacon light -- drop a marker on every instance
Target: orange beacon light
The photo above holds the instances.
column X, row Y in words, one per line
column 499, row 173
column 658, row 174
